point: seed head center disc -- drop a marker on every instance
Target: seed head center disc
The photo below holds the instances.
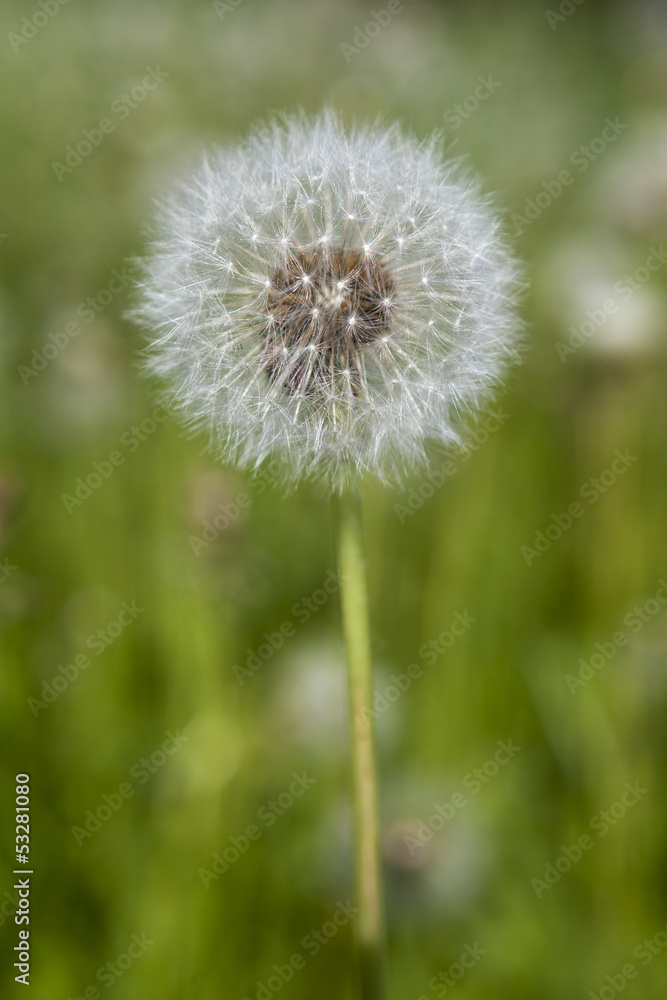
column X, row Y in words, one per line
column 322, row 309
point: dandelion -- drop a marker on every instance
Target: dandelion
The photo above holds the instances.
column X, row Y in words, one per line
column 336, row 301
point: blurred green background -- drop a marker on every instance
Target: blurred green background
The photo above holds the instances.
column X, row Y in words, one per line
column 592, row 382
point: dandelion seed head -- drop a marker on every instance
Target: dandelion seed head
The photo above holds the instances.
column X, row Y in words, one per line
column 333, row 298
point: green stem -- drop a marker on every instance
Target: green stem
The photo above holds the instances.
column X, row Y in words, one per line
column 368, row 877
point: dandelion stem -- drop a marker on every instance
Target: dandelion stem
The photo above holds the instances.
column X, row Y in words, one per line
column 368, row 878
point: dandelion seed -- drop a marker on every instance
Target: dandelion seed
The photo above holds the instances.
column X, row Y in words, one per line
column 291, row 312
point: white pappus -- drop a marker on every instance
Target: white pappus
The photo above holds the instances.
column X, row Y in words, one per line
column 335, row 298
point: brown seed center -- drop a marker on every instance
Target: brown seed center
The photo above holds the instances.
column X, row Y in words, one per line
column 322, row 308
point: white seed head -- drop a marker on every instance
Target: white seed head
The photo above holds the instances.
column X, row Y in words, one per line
column 333, row 298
